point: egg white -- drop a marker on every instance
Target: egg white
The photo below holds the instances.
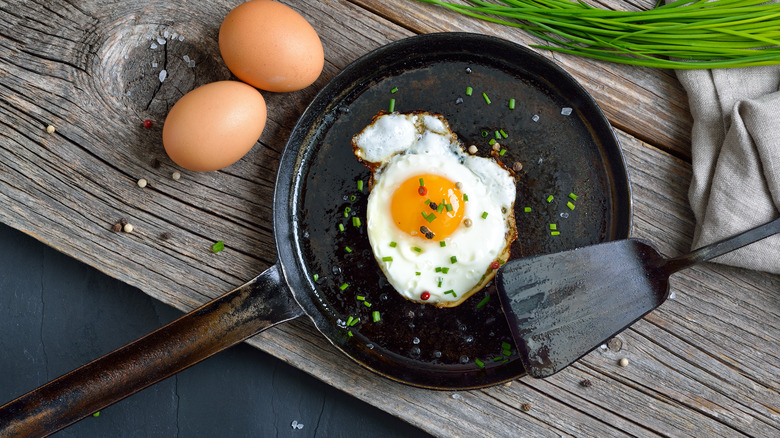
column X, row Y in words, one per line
column 403, row 146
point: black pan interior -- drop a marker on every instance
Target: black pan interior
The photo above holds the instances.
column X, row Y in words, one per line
column 466, row 346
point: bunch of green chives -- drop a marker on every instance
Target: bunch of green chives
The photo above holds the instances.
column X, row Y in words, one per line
column 683, row 34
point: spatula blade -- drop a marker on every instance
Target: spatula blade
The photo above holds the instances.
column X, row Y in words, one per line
column 561, row 306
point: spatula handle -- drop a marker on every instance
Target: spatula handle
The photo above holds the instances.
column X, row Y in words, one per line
column 724, row 246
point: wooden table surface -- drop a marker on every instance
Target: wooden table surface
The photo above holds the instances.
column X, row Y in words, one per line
column 704, row 364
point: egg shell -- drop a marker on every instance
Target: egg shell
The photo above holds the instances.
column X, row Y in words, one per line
column 270, row 46
column 214, row 125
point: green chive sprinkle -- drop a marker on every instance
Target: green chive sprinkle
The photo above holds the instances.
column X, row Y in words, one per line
column 344, row 286
column 356, row 221
column 453, row 259
column 346, row 211
column 375, row 316
column 555, row 233
column 498, row 358
column 570, row 205
column 503, row 151
column 506, row 346
column 349, row 333
column 360, row 185
column 416, row 249
column 469, row 91
column 394, row 90
column 506, row 353
column 573, row 196
column 393, row 244
column 550, row 198
column 483, row 302
column 438, row 269
column 445, row 270
column 484, row 215
column 218, row 246
column 465, row 198
column 498, row 135
column 504, row 134
column 360, row 298
column 353, row 321
column 391, row 107
column 479, row 363
column 418, row 273
column 492, row 141
column 440, row 280
column 349, row 320
column 442, row 243
column 429, row 217
column 527, row 209
column 347, row 249
column 387, row 259
column 96, row 414
column 366, row 303
column 451, row 292
column 440, row 208
column 487, row 99
column 449, row 207
column 511, row 104
column 341, row 227
column 484, row 133
column 553, row 226
column 352, row 198
column 316, row 277
column 422, row 183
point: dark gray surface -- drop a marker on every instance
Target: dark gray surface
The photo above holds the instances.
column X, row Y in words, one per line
column 56, row 314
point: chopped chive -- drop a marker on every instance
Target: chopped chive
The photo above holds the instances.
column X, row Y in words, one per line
column 498, row 135
column 341, row 227
column 429, row 217
column 573, row 196
column 375, row 316
column 416, row 249
column 511, row 104
column 506, row 353
column 555, row 233
column 503, row 151
column 391, row 107
column 96, row 414
column 349, row 333
column 356, row 221
column 218, row 246
column 353, row 321
column 440, row 208
column 484, row 215
column 453, row 259
column 394, row 90
column 445, row 270
column 492, row 141
column 427, row 202
column 418, row 273
column 347, row 249
column 451, row 292
column 387, row 259
column 465, row 198
column 469, row 91
column 360, row 185
column 503, row 134
column 422, row 183
column 439, row 280
column 344, row 286
column 527, row 209
column 346, row 211
column 393, row 244
column 360, row 298
column 487, row 99
column 349, row 320
column 550, row 198
column 498, row 358
column 570, row 205
column 449, row 207
column 506, row 346
column 315, row 277
column 553, row 226
column 484, row 133
column 352, row 198
column 442, row 243
column 366, row 303
column 438, row 269
column 483, row 302
column 479, row 363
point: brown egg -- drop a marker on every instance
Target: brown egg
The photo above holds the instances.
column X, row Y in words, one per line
column 270, row 46
column 214, row 125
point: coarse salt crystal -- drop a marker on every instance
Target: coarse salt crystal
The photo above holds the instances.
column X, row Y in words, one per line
column 456, row 396
column 535, row 118
column 161, row 41
column 153, row 46
column 181, row 37
column 165, row 34
column 566, row 111
column 154, row 64
column 191, row 64
column 186, row 58
column 672, row 296
column 163, row 75
column 296, row 425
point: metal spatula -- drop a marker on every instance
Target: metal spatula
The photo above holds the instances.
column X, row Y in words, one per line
column 561, row 306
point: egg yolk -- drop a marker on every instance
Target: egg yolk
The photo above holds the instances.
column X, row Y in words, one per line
column 427, row 206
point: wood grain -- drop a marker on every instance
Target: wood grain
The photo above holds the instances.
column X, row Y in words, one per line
column 704, row 364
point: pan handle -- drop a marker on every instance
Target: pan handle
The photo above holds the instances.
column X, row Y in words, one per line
column 217, row 325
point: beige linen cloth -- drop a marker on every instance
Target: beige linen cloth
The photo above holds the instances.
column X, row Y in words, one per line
column 736, row 158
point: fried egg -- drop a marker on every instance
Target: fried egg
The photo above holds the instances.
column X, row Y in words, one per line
column 439, row 221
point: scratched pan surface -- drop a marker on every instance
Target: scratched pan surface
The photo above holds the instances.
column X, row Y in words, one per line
column 561, row 154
